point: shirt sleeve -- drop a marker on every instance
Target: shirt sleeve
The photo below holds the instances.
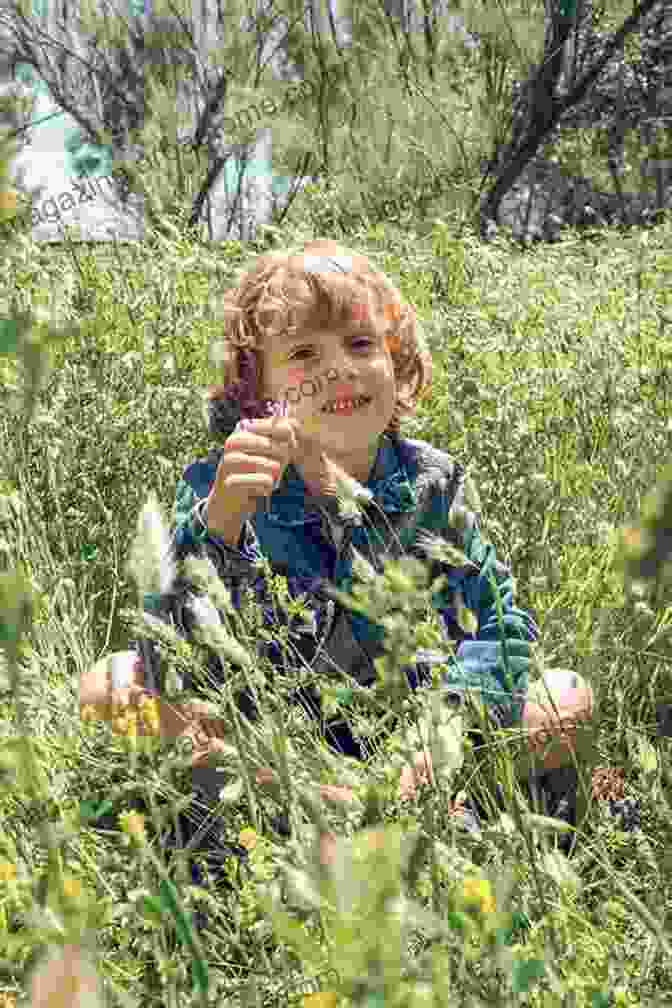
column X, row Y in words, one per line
column 238, row 567
column 487, row 660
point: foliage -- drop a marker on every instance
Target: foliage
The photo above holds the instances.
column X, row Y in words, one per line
column 428, row 105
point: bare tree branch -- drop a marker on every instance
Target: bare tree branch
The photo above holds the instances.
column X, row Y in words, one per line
column 547, row 109
column 116, row 75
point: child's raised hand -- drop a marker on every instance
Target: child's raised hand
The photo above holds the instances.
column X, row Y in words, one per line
column 254, row 459
column 412, row 775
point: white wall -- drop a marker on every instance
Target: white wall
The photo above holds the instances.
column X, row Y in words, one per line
column 68, row 201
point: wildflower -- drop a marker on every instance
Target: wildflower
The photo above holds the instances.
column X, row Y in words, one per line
column 466, row 618
column 399, row 581
column 119, row 725
column 216, row 637
column 372, row 840
column 152, row 563
column 132, row 824
column 322, row 999
column 204, row 611
column 361, row 567
column 8, row 202
column 201, row 571
column 348, row 490
column 7, row 871
column 126, row 723
column 149, row 715
column 248, row 838
column 436, row 548
column 72, row 888
column 477, row 893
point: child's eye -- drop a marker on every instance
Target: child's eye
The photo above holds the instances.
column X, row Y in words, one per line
column 307, row 350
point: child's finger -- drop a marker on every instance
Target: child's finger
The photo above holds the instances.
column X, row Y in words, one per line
column 281, row 430
column 327, row 848
column 305, row 430
column 334, row 793
column 204, row 749
column 265, row 776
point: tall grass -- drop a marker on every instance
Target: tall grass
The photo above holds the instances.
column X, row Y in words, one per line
column 552, row 381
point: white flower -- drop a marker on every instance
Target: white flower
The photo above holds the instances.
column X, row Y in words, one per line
column 202, row 572
column 348, row 491
column 361, row 567
column 214, row 636
column 204, row 611
column 151, row 562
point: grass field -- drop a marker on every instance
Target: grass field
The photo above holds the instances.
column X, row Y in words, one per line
column 552, row 380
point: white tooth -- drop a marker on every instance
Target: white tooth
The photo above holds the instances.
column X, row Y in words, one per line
column 346, row 403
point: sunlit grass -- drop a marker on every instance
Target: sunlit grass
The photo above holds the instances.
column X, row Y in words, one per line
column 551, row 381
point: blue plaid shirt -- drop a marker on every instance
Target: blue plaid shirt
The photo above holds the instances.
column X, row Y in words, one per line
column 416, row 488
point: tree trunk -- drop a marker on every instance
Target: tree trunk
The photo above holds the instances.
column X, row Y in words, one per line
column 545, row 107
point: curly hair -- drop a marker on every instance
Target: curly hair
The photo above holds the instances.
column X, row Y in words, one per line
column 320, row 285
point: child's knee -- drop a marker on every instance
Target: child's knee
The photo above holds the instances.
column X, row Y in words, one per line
column 564, row 689
column 113, row 671
column 559, row 710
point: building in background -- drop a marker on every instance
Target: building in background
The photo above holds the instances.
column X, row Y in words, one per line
column 78, row 189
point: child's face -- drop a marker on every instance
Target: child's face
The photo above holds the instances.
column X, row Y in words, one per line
column 316, row 368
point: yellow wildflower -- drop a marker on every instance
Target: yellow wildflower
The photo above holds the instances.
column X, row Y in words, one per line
column 119, row 706
column 127, row 724
column 8, row 202
column 7, row 871
column 133, row 824
column 632, row 537
column 248, row 838
column 477, row 892
column 322, row 999
column 369, row 841
column 149, row 715
column 72, row 888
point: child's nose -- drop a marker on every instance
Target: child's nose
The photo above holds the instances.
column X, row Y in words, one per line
column 344, row 366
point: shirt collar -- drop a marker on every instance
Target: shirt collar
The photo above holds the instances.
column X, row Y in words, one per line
column 388, row 481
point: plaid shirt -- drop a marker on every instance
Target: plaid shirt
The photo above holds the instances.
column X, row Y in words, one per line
column 416, row 488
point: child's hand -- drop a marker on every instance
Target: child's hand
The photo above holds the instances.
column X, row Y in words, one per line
column 328, row 792
column 254, row 459
column 419, row 772
column 204, row 746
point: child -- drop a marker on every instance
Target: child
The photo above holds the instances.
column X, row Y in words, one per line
column 324, row 332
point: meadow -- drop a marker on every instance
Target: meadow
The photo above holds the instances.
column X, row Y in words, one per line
column 552, row 380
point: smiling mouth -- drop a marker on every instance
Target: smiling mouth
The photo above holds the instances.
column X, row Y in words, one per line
column 347, row 406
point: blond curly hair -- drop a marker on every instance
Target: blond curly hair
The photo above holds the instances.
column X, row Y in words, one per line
column 320, row 285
